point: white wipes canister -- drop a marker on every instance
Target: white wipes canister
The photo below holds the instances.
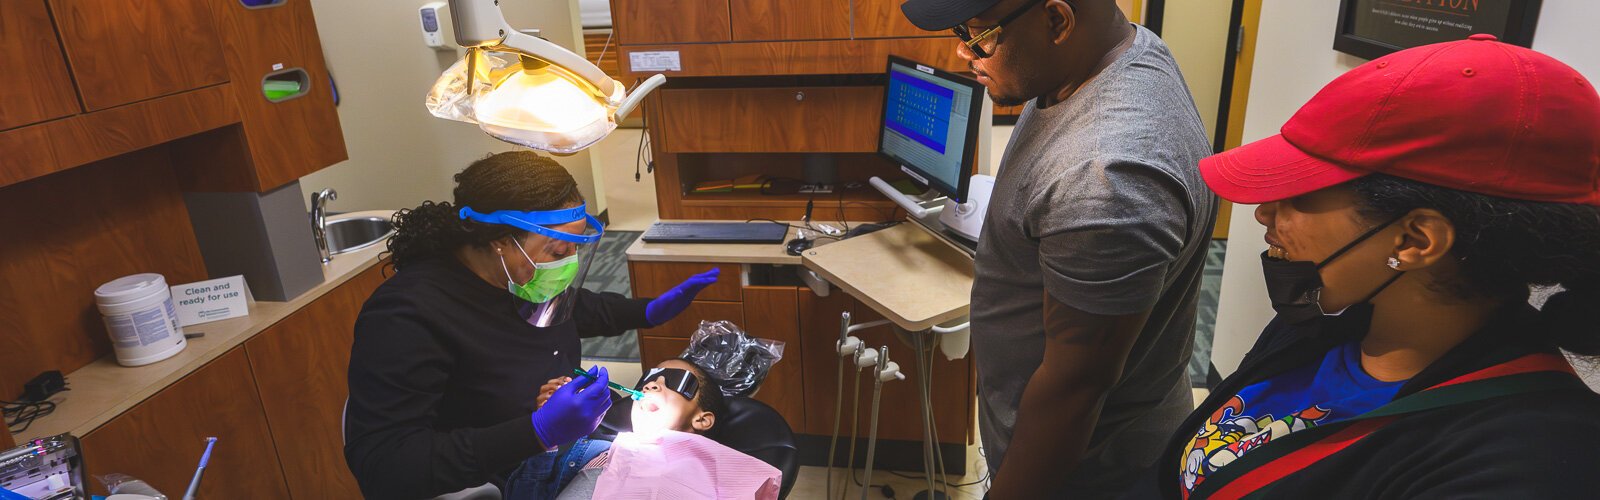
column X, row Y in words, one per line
column 140, row 318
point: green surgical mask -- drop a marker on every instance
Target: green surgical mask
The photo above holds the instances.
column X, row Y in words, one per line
column 549, row 278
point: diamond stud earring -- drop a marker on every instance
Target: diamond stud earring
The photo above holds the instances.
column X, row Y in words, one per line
column 1394, row 263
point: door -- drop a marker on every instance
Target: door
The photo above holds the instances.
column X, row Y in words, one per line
column 299, row 365
column 1246, row 23
column 123, row 51
column 32, row 71
column 883, row 19
column 671, row 21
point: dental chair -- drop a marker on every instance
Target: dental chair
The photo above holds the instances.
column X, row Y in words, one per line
column 750, row 426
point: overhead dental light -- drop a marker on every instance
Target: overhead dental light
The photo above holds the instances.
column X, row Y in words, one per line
column 525, row 90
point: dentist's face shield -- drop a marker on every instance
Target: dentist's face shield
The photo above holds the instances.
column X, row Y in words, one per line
column 559, row 249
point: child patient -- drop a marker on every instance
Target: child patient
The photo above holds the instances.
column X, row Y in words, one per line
column 664, row 457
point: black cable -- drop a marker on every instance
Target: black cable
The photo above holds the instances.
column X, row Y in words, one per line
column 841, row 210
column 946, row 483
column 792, row 226
column 639, row 152
column 24, row 413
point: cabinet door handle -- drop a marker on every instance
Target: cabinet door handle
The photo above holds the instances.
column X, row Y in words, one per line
column 799, row 96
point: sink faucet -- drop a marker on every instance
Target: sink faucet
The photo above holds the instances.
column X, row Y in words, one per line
column 319, row 221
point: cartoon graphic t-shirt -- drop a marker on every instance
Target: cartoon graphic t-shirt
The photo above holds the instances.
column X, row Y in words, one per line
column 1316, row 394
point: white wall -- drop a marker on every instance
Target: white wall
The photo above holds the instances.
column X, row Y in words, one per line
column 1294, row 60
column 399, row 154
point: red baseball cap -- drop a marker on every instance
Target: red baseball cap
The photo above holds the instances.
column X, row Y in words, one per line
column 1475, row 115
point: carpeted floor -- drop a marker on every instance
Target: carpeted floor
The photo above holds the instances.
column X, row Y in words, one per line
column 610, row 274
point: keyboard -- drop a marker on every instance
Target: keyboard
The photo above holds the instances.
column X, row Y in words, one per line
column 715, row 232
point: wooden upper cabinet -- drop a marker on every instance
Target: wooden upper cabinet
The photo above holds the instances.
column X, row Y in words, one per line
column 124, row 51
column 768, row 20
column 32, row 72
column 771, row 120
column 883, row 19
column 289, row 138
column 671, row 21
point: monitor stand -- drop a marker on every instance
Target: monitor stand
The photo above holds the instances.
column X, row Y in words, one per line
column 957, row 224
column 917, row 206
column 936, row 227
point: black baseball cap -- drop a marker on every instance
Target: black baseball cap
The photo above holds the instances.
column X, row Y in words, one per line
column 940, row 15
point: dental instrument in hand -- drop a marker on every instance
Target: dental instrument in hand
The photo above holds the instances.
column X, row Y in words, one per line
column 636, row 395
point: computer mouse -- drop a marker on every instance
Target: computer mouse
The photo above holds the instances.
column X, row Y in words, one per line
column 797, row 246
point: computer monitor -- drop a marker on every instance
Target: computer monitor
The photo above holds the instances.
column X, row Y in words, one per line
column 930, row 125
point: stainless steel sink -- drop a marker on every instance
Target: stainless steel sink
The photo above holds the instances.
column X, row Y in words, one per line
column 356, row 233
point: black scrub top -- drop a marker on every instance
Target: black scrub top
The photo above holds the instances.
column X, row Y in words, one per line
column 444, row 374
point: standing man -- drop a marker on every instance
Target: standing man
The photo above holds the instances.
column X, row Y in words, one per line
column 1083, row 309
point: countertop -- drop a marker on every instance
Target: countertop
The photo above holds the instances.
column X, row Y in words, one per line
column 912, row 277
column 103, row 390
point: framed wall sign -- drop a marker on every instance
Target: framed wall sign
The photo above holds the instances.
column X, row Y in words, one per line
column 1374, row 28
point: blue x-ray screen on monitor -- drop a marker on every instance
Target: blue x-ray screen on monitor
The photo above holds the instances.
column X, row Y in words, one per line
column 925, row 124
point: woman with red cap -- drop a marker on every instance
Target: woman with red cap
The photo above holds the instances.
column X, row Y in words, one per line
column 1409, row 208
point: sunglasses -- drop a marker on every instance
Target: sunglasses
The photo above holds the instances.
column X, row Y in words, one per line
column 975, row 42
column 676, row 380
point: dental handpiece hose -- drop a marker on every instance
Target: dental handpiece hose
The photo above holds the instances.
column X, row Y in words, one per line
column 872, row 433
column 205, row 458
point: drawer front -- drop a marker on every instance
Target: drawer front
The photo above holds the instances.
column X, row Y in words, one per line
column 685, row 324
column 651, row 279
column 772, row 120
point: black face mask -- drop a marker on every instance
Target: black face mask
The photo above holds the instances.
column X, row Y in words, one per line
column 1295, row 286
column 673, row 379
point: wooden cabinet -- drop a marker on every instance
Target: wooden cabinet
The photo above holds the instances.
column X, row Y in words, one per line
column 124, row 51
column 953, row 380
column 767, row 312
column 883, row 19
column 771, row 312
column 299, row 366
column 161, row 439
column 802, row 386
column 763, row 20
column 671, row 21
column 765, row 120
column 685, row 324
column 654, row 350
column 286, row 139
column 37, row 87
column 651, row 279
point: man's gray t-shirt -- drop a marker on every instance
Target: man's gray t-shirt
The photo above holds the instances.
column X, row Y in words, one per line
column 1098, row 201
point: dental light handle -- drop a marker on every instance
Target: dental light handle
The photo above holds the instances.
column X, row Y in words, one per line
column 479, row 23
column 637, row 96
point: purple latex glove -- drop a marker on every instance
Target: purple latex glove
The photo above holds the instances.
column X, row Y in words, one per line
column 669, row 305
column 574, row 411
